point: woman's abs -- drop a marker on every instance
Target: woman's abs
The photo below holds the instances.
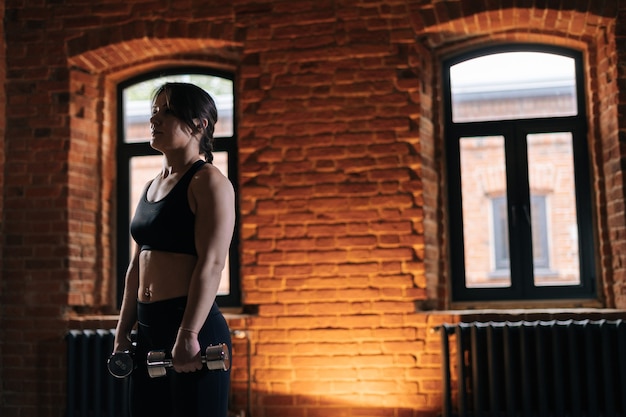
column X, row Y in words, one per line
column 164, row 275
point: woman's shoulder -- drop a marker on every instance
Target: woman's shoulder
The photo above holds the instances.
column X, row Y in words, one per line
column 209, row 176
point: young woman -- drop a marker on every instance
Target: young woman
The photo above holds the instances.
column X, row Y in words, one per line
column 182, row 228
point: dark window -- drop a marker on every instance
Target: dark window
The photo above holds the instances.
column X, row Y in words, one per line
column 518, row 175
column 137, row 162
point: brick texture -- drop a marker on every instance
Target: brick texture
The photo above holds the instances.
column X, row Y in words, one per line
column 341, row 182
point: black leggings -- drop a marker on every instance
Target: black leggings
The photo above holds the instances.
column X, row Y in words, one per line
column 194, row 394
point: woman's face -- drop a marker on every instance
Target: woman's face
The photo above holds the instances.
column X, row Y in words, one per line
column 168, row 131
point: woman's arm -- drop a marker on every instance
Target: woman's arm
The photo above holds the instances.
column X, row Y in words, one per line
column 128, row 311
column 213, row 198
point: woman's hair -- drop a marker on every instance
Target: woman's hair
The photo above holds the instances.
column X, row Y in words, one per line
column 188, row 102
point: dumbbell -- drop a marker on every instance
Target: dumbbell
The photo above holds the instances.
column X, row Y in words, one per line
column 121, row 364
column 215, row 357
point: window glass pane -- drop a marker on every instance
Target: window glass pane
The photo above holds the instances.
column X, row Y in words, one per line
column 145, row 168
column 502, row 260
column 485, row 224
column 137, row 104
column 553, row 211
column 539, row 228
column 220, row 160
column 513, row 85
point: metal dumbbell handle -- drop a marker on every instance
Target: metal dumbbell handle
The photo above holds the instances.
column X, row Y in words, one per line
column 215, row 358
column 121, row 364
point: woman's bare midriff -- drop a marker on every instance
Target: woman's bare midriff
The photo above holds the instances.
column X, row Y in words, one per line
column 164, row 275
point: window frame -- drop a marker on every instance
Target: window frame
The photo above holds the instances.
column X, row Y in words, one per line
column 502, row 257
column 126, row 151
column 515, row 132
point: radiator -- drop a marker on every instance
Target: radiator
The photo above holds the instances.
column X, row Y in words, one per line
column 91, row 390
column 539, row 368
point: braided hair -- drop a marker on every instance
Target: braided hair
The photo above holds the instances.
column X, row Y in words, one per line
column 188, row 102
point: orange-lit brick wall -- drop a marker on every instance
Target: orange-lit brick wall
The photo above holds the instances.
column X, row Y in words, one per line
column 341, row 186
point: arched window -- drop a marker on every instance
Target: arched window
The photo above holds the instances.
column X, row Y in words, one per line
column 518, row 175
column 137, row 162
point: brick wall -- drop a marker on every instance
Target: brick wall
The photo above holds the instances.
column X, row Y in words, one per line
column 343, row 237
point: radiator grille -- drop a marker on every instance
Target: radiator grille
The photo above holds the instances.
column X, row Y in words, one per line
column 91, row 390
column 534, row 368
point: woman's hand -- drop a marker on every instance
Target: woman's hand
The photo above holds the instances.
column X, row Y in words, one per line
column 122, row 344
column 186, row 352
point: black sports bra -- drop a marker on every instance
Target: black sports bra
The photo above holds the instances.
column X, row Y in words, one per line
column 168, row 224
